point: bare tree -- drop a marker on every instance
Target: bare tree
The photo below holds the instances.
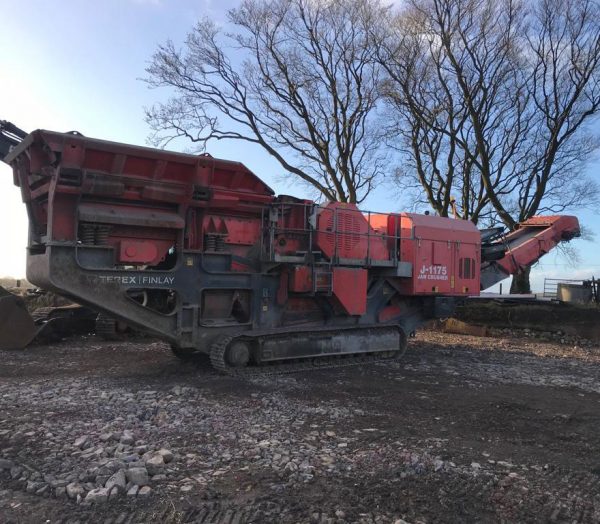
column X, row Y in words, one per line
column 564, row 39
column 300, row 78
column 524, row 77
column 433, row 124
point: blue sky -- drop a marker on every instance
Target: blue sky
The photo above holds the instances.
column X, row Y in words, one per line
column 76, row 64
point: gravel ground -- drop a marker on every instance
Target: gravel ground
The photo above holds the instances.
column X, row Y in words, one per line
column 462, row 429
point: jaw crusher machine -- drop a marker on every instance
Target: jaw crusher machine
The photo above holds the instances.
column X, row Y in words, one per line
column 200, row 252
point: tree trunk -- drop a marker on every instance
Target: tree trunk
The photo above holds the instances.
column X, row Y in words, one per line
column 520, row 282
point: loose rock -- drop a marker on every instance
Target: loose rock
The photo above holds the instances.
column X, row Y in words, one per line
column 138, row 476
column 74, row 489
column 97, row 495
column 144, row 491
column 117, row 481
column 166, row 455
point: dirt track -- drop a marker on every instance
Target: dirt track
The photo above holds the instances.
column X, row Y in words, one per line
column 461, row 430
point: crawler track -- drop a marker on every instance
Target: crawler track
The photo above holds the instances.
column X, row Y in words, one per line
column 219, row 348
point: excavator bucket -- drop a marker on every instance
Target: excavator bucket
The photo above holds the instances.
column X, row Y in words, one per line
column 17, row 328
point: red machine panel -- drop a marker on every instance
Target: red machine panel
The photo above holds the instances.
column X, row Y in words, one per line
column 300, row 280
column 444, row 252
column 350, row 288
column 143, row 252
column 343, row 231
